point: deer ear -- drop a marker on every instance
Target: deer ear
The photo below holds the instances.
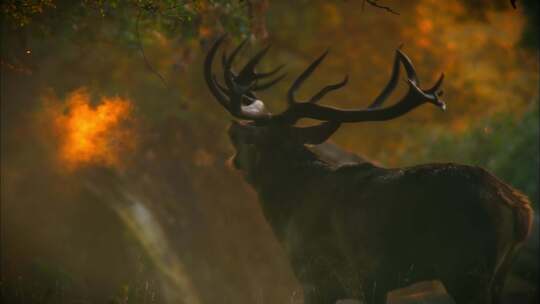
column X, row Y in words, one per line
column 316, row 134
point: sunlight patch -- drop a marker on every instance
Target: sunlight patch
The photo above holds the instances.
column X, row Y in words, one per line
column 94, row 134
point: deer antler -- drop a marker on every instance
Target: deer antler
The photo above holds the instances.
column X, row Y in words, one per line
column 239, row 99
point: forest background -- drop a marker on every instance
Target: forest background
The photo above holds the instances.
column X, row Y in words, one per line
column 110, row 95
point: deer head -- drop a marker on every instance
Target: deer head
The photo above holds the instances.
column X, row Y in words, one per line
column 260, row 130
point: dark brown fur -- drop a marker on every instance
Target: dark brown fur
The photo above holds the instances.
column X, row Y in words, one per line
column 357, row 230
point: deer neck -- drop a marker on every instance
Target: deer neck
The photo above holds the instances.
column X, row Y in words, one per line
column 281, row 184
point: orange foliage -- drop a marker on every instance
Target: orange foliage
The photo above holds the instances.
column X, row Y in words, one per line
column 426, row 26
column 94, row 135
column 485, row 73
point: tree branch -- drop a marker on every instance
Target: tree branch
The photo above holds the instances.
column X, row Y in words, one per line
column 386, row 8
column 141, row 49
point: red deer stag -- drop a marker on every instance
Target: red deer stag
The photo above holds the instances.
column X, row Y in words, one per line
column 360, row 230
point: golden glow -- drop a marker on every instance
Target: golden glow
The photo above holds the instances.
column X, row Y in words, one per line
column 426, row 26
column 94, row 135
column 486, row 72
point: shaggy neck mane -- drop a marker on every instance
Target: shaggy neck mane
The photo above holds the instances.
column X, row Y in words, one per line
column 281, row 180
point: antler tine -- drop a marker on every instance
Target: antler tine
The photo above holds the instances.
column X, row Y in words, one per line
column 436, row 92
column 327, row 89
column 270, row 83
column 224, row 59
column 298, row 82
column 214, row 89
column 409, row 68
column 435, row 89
column 390, row 86
column 249, row 77
column 228, row 62
column 264, row 86
column 237, row 98
column 220, row 86
column 229, row 76
column 247, row 74
column 268, row 74
column 228, row 73
column 432, row 94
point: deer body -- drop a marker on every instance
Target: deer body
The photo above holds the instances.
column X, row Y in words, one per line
column 357, row 230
